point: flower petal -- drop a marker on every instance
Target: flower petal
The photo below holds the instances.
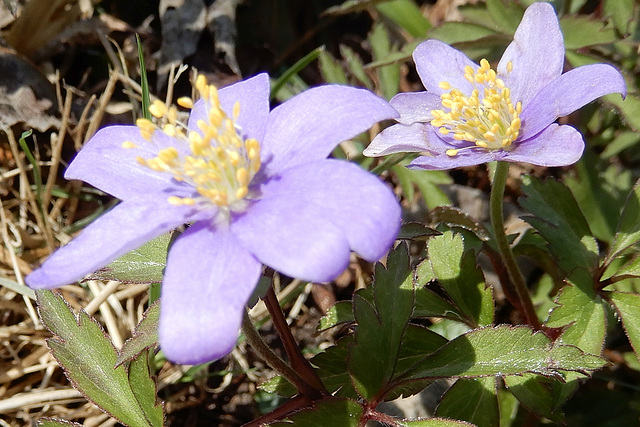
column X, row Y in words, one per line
column 399, row 139
column 343, row 193
column 252, row 95
column 569, row 92
column 122, row 229
column 106, row 165
column 437, row 62
column 415, row 106
column 291, row 236
column 208, row 280
column 555, row 146
column 536, row 52
column 442, row 161
column 310, row 125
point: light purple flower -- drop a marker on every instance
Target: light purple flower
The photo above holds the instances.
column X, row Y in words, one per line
column 471, row 114
column 256, row 187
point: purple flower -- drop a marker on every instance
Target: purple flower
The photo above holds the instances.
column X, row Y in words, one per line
column 472, row 114
column 256, row 188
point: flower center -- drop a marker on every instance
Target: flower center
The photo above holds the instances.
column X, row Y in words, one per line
column 487, row 117
column 217, row 161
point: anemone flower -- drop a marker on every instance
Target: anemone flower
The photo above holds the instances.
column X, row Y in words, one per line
column 472, row 114
column 254, row 186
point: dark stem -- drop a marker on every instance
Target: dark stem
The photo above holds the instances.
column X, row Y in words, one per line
column 259, row 346
column 516, row 284
column 297, row 360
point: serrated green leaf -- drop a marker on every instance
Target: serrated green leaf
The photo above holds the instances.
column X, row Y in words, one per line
column 88, row 359
column 536, row 393
column 506, row 14
column 472, row 400
column 460, row 277
column 503, row 350
column 340, row 312
column 144, row 336
column 582, row 312
column 143, row 265
column 630, row 269
column 406, row 14
column 621, row 12
column 628, row 306
column 628, row 230
column 144, row 388
column 599, row 195
column 327, row 412
column 417, row 342
column 416, row 231
column 455, row 217
column 560, row 222
column 372, row 358
column 388, row 75
column 580, row 31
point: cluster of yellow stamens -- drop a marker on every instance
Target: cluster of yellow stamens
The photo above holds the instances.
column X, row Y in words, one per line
column 487, row 117
column 216, row 160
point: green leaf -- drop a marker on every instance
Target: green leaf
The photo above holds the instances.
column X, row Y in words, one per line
column 472, row 400
column 582, row 312
column 560, row 222
column 435, row 422
column 599, row 195
column 381, row 323
column 622, row 141
column 355, row 66
column 144, row 337
column 621, row 12
column 628, row 307
column 579, row 32
column 461, row 278
column 629, row 108
column 416, row 231
column 630, row 269
column 427, row 182
column 52, row 422
column 536, row 393
column 331, row 69
column 418, row 341
column 88, row 358
column 459, row 32
column 406, row 14
column 506, row 14
column 143, row 265
column 455, row 217
column 340, row 312
column 388, row 75
column 628, row 231
column 327, row 412
column 503, row 350
column 144, row 388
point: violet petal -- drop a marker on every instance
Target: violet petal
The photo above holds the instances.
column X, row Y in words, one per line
column 124, row 228
column 106, row 165
column 343, row 193
column 437, row 62
column 310, row 125
column 536, row 52
column 208, row 280
column 555, row 146
column 252, row 95
column 415, row 107
column 569, row 92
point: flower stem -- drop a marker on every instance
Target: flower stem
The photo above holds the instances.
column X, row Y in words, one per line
column 259, row 346
column 517, row 284
column 297, row 360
